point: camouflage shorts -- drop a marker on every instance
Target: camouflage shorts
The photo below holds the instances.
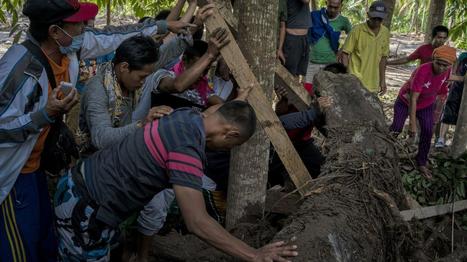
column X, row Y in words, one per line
column 81, row 236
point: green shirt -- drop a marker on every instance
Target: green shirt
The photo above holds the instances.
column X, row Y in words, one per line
column 321, row 52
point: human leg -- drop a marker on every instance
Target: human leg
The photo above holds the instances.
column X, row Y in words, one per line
column 401, row 112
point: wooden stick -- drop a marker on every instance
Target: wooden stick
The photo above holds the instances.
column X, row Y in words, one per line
column 266, row 116
column 432, row 211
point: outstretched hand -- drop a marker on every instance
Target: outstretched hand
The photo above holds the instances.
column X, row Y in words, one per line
column 325, row 102
column 278, row 251
column 204, row 12
column 218, row 39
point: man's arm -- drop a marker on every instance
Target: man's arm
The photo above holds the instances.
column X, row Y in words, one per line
column 176, row 11
column 192, row 4
column 198, row 221
column 399, row 61
column 219, row 38
column 280, row 52
column 382, row 75
column 98, row 42
column 184, row 81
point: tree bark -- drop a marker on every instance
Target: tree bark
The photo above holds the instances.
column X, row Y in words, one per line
column 435, row 17
column 249, row 162
column 108, row 11
column 390, row 4
column 459, row 144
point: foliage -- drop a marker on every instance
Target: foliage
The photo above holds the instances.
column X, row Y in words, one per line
column 449, row 183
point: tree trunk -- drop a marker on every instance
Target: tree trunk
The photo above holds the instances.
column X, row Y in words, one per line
column 108, row 11
column 353, row 212
column 415, row 14
column 390, row 4
column 249, row 162
column 459, row 144
column 435, row 17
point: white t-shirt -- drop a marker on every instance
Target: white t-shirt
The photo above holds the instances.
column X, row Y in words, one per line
column 222, row 88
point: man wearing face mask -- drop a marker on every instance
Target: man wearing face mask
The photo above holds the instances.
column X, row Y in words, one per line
column 366, row 49
column 30, row 103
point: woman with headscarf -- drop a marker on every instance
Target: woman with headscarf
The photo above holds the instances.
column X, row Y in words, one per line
column 417, row 98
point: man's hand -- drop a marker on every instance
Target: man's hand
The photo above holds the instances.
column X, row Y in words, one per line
column 278, row 251
column 280, row 56
column 218, row 39
column 158, row 112
column 179, row 27
column 281, row 91
column 325, row 102
column 243, row 92
column 56, row 106
column 203, row 13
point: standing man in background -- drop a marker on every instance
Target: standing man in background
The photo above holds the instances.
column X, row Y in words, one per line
column 366, row 49
column 424, row 53
column 323, row 35
column 293, row 42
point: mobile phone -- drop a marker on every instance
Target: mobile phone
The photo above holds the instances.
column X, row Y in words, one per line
column 66, row 87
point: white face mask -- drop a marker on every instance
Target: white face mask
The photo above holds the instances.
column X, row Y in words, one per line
column 75, row 45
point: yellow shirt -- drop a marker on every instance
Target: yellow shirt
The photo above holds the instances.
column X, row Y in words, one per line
column 366, row 50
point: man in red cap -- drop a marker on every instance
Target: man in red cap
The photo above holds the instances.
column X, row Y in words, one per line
column 37, row 80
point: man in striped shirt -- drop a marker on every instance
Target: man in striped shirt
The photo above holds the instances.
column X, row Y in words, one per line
column 103, row 190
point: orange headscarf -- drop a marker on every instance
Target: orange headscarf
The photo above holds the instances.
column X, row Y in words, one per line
column 445, row 53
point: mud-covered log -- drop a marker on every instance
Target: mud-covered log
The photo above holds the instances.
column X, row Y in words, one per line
column 354, row 213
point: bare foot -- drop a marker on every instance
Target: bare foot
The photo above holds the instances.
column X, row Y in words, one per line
column 425, row 172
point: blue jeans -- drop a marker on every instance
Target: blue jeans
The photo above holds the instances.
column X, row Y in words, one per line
column 26, row 221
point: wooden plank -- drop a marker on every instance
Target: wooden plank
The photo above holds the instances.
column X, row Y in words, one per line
column 297, row 94
column 266, row 116
column 432, row 211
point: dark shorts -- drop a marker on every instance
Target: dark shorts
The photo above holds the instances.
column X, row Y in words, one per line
column 451, row 109
column 296, row 54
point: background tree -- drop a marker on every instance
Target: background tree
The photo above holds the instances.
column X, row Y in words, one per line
column 249, row 162
column 435, row 16
column 390, row 4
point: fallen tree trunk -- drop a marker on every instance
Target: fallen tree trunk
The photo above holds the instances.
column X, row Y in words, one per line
column 353, row 212
column 355, row 215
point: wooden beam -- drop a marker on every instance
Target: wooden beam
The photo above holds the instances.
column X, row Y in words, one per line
column 297, row 95
column 432, row 211
column 266, row 116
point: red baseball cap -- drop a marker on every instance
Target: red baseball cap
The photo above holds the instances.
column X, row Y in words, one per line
column 87, row 11
column 53, row 11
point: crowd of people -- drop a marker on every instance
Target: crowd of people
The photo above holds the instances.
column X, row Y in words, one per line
column 138, row 120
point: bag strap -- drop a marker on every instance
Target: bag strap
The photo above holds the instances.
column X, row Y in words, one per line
column 36, row 51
